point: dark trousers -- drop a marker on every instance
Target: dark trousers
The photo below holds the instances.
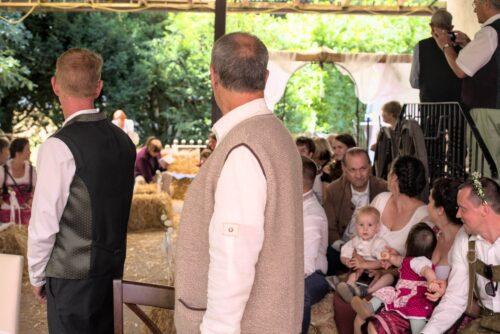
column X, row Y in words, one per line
column 80, row 306
column 315, row 288
column 335, row 266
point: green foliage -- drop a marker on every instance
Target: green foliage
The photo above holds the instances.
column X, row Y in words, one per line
column 156, row 66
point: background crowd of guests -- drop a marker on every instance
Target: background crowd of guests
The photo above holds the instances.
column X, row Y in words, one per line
column 394, row 247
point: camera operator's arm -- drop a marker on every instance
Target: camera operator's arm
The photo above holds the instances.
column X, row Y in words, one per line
column 444, row 42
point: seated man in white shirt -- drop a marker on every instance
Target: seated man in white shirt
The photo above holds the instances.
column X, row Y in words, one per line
column 307, row 148
column 315, row 243
column 477, row 245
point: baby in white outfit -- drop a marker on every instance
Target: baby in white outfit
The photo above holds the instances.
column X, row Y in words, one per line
column 366, row 244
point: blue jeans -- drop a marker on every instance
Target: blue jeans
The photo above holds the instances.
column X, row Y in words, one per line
column 315, row 288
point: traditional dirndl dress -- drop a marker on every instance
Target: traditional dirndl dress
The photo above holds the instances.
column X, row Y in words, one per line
column 19, row 191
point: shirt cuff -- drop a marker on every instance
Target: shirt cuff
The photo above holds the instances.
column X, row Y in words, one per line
column 37, row 283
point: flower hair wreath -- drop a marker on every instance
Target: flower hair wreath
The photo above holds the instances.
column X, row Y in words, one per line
column 477, row 187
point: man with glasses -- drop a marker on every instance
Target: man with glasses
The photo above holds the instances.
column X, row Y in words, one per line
column 475, row 262
column 430, row 71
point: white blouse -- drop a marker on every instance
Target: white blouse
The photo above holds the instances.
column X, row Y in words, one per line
column 25, row 179
column 397, row 239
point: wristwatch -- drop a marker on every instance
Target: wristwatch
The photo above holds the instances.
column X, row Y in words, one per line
column 446, row 46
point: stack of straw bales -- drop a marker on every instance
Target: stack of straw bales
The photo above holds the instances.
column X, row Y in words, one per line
column 186, row 162
column 150, row 209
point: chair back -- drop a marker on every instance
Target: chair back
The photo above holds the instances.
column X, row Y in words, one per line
column 10, row 290
column 133, row 294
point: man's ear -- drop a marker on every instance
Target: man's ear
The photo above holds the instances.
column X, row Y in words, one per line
column 55, row 87
column 98, row 89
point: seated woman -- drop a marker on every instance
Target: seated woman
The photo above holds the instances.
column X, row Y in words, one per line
column 400, row 210
column 18, row 179
column 149, row 161
column 442, row 209
column 341, row 144
column 408, row 299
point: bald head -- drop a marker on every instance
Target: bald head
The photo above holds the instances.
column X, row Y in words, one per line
column 239, row 60
column 119, row 114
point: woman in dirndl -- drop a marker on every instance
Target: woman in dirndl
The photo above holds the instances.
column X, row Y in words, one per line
column 17, row 179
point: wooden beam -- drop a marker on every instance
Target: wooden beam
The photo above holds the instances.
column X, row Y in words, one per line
column 205, row 6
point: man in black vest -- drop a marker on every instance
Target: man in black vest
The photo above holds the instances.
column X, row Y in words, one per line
column 77, row 232
column 430, row 71
column 478, row 63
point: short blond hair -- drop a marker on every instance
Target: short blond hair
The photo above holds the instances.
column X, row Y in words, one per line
column 367, row 210
column 78, row 72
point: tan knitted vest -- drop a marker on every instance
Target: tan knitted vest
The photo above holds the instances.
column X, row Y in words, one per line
column 276, row 300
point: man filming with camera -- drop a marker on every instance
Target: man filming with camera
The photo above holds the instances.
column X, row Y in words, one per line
column 430, row 71
column 478, row 63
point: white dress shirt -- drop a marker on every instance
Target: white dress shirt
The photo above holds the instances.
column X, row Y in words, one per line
column 454, row 302
column 240, row 200
column 415, row 68
column 318, row 188
column 368, row 249
column 56, row 169
column 479, row 51
column 315, row 235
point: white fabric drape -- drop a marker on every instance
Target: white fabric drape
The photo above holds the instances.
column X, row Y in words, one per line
column 374, row 81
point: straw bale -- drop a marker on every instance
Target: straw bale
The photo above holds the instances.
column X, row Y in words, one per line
column 322, row 321
column 145, row 189
column 150, row 211
column 180, row 187
column 14, row 240
column 185, row 162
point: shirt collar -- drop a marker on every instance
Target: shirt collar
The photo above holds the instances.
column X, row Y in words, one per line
column 81, row 112
column 491, row 20
column 307, row 194
column 477, row 237
column 227, row 122
column 366, row 192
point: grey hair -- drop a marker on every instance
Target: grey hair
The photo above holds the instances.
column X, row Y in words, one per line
column 240, row 61
column 442, row 18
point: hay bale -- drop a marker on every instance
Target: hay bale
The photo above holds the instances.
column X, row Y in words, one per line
column 322, row 321
column 180, row 187
column 147, row 211
column 149, row 188
column 14, row 240
column 185, row 162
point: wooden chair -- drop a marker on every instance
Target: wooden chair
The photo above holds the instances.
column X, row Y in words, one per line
column 133, row 294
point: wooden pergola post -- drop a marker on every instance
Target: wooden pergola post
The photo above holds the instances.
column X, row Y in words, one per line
column 220, row 30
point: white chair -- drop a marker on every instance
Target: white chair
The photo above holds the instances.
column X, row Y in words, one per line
column 10, row 290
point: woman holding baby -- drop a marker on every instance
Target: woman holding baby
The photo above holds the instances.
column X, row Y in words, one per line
column 400, row 211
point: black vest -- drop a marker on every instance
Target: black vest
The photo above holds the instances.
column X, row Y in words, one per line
column 437, row 82
column 483, row 89
column 92, row 231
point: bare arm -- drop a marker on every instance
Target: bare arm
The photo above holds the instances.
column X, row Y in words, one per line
column 429, row 274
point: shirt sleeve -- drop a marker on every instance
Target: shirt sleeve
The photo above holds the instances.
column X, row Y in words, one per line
column 56, row 169
column 454, row 301
column 419, row 263
column 348, row 249
column 236, row 236
column 478, row 52
column 314, row 225
column 415, row 68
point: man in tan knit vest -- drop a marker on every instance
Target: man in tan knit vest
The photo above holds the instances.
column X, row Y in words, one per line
column 239, row 260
